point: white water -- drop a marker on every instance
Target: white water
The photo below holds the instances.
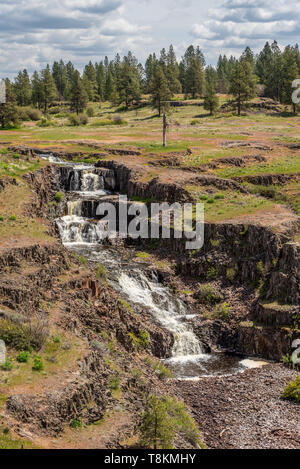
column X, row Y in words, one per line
column 188, row 359
column 78, row 230
column 167, row 310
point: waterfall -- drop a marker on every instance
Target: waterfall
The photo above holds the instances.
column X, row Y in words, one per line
column 78, row 230
column 91, row 182
column 74, row 208
column 167, row 310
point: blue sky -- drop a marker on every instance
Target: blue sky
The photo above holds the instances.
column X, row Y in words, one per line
column 34, row 32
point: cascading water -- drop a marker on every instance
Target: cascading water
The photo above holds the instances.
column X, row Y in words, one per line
column 84, row 236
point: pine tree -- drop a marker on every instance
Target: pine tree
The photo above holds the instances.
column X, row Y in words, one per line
column 129, row 89
column 159, row 89
column 110, row 85
column 8, row 110
column 37, row 90
column 157, row 429
column 242, row 83
column 48, row 88
column 172, row 71
column 192, row 70
column 150, row 66
column 211, row 100
column 101, row 80
column 90, row 82
column 59, row 74
column 23, row 90
column 79, row 97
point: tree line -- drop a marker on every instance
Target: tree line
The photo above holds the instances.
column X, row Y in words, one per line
column 123, row 81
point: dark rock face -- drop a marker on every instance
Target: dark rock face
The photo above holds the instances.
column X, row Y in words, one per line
column 284, row 281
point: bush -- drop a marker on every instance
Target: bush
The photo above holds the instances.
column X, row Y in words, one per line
column 83, row 118
column 101, row 272
column 22, row 337
column 59, row 196
column 76, row 423
column 74, row 120
column 44, row 122
column 90, row 112
column 23, row 357
column 209, row 295
column 164, row 418
column 34, row 114
column 1, row 218
column 38, row 364
column 292, row 391
column 222, row 311
column 7, row 366
column 13, row 218
column 141, row 341
column 114, row 383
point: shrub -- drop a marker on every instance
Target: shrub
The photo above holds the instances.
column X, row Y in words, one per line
column 7, row 365
column 101, row 272
column 83, row 118
column 13, row 218
column 44, row 122
column 209, row 295
column 26, row 336
column 23, row 357
column 230, row 274
column 74, row 120
column 292, row 391
column 38, row 364
column 164, row 418
column 59, row 196
column 141, row 341
column 195, row 122
column 90, row 112
column 76, row 423
column 160, row 369
column 117, row 120
column 222, row 311
column 1, row 218
column 212, row 273
column 34, row 114
column 219, row 196
column 114, row 383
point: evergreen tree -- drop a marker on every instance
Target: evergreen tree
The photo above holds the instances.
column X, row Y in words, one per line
column 164, row 418
column 111, row 93
column 157, row 429
column 264, row 64
column 78, row 94
column 49, row 90
column 101, row 80
column 37, row 90
column 90, row 82
column 211, row 100
column 172, row 71
column 193, row 73
column 22, row 88
column 129, row 81
column 242, row 83
column 150, row 66
column 8, row 110
column 160, row 91
column 59, row 73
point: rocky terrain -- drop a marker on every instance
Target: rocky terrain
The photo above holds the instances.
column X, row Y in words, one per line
column 96, row 378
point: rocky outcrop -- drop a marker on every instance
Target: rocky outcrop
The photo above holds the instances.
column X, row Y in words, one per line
column 283, row 282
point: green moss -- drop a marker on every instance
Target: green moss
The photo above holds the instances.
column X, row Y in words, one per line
column 140, row 341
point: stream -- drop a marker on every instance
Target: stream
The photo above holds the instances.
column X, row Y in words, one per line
column 84, row 236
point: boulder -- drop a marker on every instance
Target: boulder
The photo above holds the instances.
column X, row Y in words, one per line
column 2, row 352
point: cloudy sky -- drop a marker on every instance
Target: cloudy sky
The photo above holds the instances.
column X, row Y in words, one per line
column 34, row 32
